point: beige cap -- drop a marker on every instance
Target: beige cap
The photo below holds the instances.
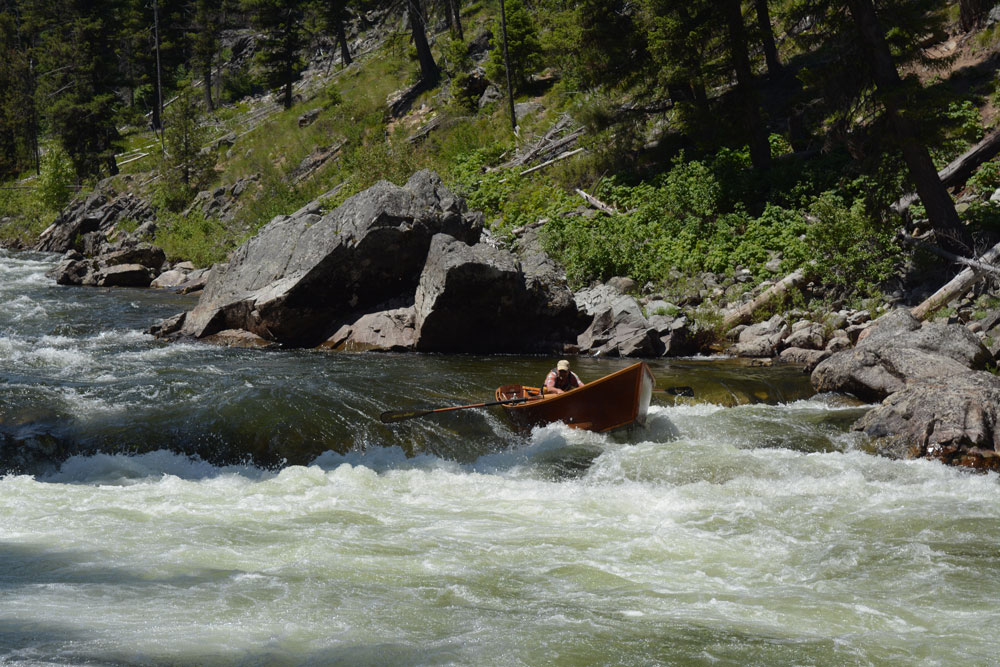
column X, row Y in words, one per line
column 563, row 365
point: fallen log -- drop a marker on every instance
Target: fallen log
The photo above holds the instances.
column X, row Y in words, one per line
column 950, row 256
column 743, row 313
column 960, row 169
column 956, row 287
column 597, row 203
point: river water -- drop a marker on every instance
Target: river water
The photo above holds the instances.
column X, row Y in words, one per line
column 186, row 504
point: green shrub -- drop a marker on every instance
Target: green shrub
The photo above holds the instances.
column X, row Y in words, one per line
column 195, row 238
column 56, row 177
column 853, row 251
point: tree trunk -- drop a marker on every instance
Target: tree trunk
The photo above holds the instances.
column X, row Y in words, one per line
column 767, row 38
column 760, row 149
column 429, row 71
column 345, row 52
column 972, row 13
column 961, row 168
column 207, row 83
column 743, row 313
column 937, row 201
column 456, row 9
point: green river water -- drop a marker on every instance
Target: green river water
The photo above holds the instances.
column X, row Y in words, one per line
column 199, row 505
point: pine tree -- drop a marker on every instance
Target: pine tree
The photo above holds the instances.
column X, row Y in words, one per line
column 78, row 77
column 279, row 51
column 206, row 25
column 185, row 137
column 17, row 109
column 523, row 47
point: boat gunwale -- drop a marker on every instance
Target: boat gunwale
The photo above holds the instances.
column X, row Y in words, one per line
column 640, row 369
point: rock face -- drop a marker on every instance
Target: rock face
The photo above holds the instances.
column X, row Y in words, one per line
column 392, row 268
column 936, row 401
column 298, row 274
column 126, row 265
column 896, row 350
column 84, row 225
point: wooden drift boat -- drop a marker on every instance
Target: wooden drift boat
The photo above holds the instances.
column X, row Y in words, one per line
column 619, row 400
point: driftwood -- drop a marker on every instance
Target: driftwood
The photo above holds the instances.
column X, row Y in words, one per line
column 950, row 256
column 743, row 313
column 549, row 144
column 552, row 161
column 957, row 286
column 960, row 169
column 597, row 203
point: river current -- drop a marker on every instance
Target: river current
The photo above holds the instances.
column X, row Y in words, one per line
column 201, row 505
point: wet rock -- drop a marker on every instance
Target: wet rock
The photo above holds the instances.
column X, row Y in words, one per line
column 124, row 275
column 168, row 327
column 952, row 419
column 238, row 338
column 809, row 358
column 387, row 330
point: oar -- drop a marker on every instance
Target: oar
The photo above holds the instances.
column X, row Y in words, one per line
column 677, row 391
column 392, row 416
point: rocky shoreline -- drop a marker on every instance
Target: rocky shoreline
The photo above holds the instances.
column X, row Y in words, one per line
column 410, row 269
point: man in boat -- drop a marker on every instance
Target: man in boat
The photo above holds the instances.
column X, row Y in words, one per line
column 561, row 379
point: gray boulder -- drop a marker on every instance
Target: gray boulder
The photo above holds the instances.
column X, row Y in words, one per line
column 618, row 327
column 898, row 349
column 955, row 421
column 762, row 339
column 300, row 275
column 476, row 299
column 388, row 330
column 124, row 275
column 85, row 224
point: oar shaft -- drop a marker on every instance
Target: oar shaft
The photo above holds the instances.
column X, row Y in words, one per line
column 402, row 415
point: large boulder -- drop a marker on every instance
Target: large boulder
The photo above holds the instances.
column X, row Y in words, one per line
column 386, row 330
column 297, row 278
column 85, row 223
column 952, row 419
column 899, row 349
column 935, row 402
column 762, row 339
column 476, row 299
column 618, row 327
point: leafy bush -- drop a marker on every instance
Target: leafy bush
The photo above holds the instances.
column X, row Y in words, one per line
column 196, row 238
column 56, row 177
column 852, row 251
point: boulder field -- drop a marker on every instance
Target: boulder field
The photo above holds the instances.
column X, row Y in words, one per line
column 410, row 268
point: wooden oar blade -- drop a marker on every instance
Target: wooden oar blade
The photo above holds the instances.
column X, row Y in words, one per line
column 677, row 391
column 393, row 416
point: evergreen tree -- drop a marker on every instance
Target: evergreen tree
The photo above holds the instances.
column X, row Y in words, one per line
column 206, row 25
column 429, row 72
column 17, row 109
column 524, row 49
column 78, row 76
column 891, row 93
column 279, row 51
column 185, row 136
column 332, row 18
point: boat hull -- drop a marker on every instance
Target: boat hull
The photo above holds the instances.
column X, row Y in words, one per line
column 616, row 401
